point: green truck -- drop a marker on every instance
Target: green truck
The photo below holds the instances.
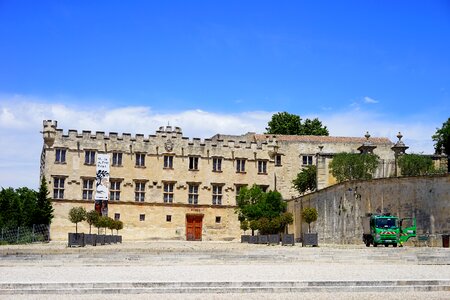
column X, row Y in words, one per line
column 385, row 229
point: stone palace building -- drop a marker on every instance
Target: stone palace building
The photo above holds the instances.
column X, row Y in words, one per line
column 167, row 186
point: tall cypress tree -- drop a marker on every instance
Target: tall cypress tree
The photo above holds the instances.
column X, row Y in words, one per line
column 44, row 211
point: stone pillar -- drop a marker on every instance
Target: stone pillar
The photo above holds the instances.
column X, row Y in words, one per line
column 399, row 149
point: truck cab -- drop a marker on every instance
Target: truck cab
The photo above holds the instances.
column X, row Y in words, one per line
column 387, row 230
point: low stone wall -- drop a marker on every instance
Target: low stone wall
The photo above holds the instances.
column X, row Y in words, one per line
column 341, row 207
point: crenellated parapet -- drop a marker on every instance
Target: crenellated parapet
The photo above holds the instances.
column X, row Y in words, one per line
column 167, row 139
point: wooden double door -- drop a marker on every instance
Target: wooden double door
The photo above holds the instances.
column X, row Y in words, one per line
column 194, row 227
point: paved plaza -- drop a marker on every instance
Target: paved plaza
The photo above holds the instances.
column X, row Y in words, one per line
column 222, row 270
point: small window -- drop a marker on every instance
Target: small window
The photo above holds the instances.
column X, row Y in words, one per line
column 193, row 194
column 262, row 167
column 60, row 156
column 217, row 194
column 140, row 159
column 307, row 160
column 168, row 161
column 218, row 219
column 139, row 191
column 114, row 190
column 142, row 217
column 240, row 165
column 117, row 216
column 168, row 192
column 117, row 159
column 89, row 157
column 58, row 188
column 168, row 218
column 217, row 164
column 278, row 160
column 88, row 189
column 193, row 163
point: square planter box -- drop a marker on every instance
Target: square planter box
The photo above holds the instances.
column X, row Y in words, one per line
column 310, row 239
column 253, row 239
column 76, row 240
column 119, row 239
column 108, row 239
column 287, row 239
column 90, row 239
column 245, row 238
column 100, row 239
column 274, row 239
column 263, row 239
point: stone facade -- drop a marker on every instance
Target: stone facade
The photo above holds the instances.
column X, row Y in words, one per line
column 162, row 179
column 342, row 208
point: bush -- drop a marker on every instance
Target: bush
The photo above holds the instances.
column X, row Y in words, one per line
column 77, row 215
column 309, row 215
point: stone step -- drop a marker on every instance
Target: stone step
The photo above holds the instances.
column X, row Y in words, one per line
column 223, row 287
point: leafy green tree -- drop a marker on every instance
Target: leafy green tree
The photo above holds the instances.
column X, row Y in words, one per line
column 29, row 208
column 92, row 217
column 44, row 212
column 442, row 138
column 244, row 225
column 118, row 225
column 284, row 123
column 10, row 208
column 416, row 165
column 110, row 224
column 102, row 222
column 77, row 215
column 309, row 215
column 313, row 127
column 261, row 209
column 290, row 124
column 353, row 166
column 306, row 180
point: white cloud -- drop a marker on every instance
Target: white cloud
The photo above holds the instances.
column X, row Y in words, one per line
column 370, row 100
column 21, row 122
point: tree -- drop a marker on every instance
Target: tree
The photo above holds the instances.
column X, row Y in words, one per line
column 29, row 208
column 313, row 127
column 309, row 215
column 261, row 210
column 306, row 180
column 92, row 217
column 353, row 166
column 290, row 124
column 44, row 213
column 77, row 215
column 416, row 165
column 118, row 225
column 442, row 138
column 244, row 225
column 284, row 123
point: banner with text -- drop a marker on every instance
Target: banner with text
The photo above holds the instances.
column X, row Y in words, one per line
column 102, row 184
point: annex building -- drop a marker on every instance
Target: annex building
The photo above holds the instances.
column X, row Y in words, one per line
column 167, row 186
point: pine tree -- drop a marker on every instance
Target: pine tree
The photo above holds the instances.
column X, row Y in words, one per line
column 44, row 212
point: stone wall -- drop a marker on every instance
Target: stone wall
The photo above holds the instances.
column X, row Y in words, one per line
column 155, row 225
column 341, row 208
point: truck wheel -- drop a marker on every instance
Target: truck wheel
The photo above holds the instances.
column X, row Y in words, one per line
column 367, row 244
column 395, row 245
column 375, row 244
column 386, row 245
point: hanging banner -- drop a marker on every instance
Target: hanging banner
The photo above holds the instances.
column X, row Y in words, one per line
column 102, row 184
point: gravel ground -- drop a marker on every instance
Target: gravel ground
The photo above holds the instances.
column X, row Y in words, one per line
column 176, row 261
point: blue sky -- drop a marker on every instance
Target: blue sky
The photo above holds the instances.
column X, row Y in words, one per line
column 219, row 67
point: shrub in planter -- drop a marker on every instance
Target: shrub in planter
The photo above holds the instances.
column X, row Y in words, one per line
column 287, row 239
column 245, row 238
column 274, row 239
column 76, row 239
column 309, row 215
column 263, row 239
column 90, row 239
